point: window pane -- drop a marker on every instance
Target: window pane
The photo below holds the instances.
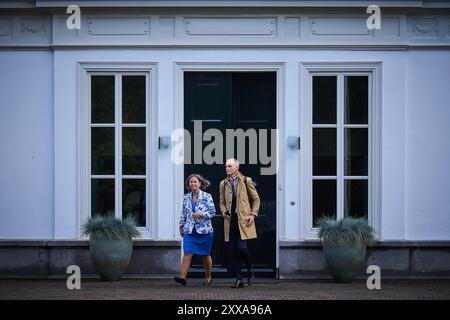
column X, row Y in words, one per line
column 356, row 152
column 324, row 199
column 324, row 99
column 133, row 99
column 133, row 150
column 102, row 99
column 102, row 196
column 356, row 195
column 324, row 152
column 102, row 151
column 133, row 197
column 356, row 99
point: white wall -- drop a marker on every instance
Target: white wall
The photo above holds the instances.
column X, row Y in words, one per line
column 393, row 126
column 428, row 145
column 38, row 101
column 393, row 146
column 26, row 145
column 415, row 151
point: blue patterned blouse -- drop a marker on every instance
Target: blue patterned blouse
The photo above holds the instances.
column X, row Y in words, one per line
column 205, row 205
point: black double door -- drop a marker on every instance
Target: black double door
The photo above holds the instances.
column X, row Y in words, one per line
column 233, row 100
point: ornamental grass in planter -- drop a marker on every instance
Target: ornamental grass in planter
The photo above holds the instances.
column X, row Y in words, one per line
column 110, row 243
column 344, row 244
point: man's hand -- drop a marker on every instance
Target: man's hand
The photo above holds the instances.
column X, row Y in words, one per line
column 226, row 215
column 250, row 220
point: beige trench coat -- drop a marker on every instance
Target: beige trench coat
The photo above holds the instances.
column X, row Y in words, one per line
column 242, row 205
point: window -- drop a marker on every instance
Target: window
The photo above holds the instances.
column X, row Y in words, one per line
column 340, row 146
column 118, row 140
column 116, row 145
column 340, row 134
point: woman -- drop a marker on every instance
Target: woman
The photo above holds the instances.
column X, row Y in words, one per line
column 195, row 226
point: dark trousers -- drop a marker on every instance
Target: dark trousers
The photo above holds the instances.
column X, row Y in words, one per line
column 237, row 249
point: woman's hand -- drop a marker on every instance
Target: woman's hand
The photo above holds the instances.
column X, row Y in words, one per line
column 197, row 215
column 181, row 231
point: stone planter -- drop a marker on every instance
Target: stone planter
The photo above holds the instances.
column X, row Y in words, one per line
column 111, row 256
column 344, row 262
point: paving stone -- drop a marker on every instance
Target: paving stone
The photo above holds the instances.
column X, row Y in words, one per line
column 167, row 289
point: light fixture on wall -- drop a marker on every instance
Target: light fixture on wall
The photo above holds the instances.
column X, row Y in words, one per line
column 164, row 142
column 293, row 143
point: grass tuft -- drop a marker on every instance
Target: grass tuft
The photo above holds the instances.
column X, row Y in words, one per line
column 346, row 231
column 111, row 227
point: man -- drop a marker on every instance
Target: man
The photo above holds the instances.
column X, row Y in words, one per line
column 239, row 204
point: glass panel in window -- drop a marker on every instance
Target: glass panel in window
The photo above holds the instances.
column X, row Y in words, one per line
column 133, row 198
column 356, row 198
column 102, row 151
column 356, row 152
column 133, row 99
column 324, row 152
column 324, row 199
column 133, row 151
column 102, row 196
column 102, row 99
column 356, row 99
column 324, row 99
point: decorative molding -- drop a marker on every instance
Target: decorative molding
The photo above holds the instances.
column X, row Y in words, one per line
column 230, row 26
column 339, row 26
column 34, row 26
column 25, row 30
column 333, row 30
column 118, row 26
column 177, row 4
column 167, row 27
column 425, row 28
column 390, row 28
column 292, row 27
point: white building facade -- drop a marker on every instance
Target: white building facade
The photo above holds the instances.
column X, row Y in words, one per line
column 392, row 157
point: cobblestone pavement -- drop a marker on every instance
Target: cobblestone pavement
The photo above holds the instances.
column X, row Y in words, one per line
column 167, row 289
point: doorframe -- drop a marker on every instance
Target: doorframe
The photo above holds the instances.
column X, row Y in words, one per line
column 279, row 68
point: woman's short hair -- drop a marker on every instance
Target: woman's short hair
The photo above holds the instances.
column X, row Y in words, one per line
column 203, row 182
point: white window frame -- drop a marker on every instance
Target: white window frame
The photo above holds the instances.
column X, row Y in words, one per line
column 85, row 71
column 307, row 71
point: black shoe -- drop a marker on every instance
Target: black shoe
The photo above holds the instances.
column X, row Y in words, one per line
column 180, row 280
column 207, row 283
column 238, row 284
column 251, row 278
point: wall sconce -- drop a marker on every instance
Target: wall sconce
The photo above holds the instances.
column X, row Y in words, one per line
column 293, row 143
column 164, row 142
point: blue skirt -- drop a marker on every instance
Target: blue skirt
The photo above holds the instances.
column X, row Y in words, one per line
column 196, row 243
